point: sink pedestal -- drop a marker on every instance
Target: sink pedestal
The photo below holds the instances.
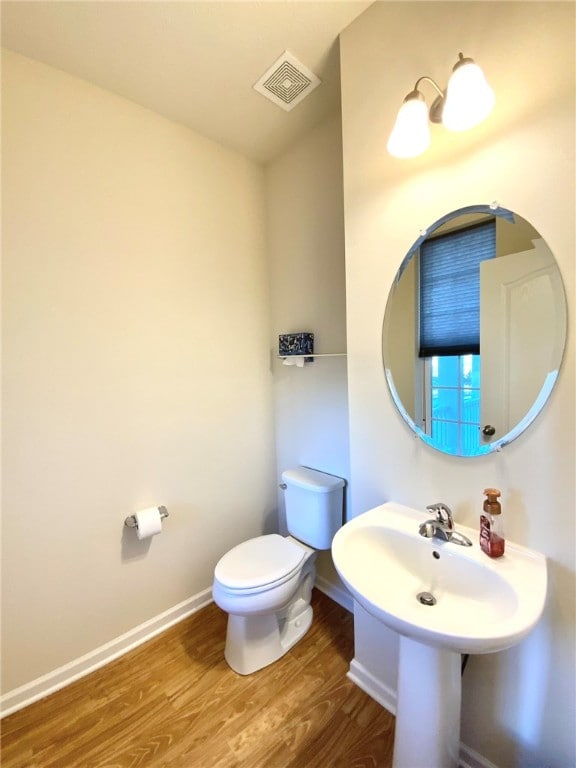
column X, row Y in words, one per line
column 428, row 706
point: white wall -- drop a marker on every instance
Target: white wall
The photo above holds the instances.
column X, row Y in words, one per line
column 519, row 706
column 136, row 364
column 306, row 253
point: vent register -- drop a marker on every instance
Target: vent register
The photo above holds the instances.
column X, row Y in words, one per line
column 287, row 82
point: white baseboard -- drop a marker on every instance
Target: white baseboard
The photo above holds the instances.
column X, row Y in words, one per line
column 370, row 684
column 468, row 758
column 59, row 678
column 69, row 673
column 335, row 592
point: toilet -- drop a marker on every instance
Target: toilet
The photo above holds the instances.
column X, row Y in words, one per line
column 265, row 584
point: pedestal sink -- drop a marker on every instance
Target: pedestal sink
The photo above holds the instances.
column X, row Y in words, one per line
column 444, row 600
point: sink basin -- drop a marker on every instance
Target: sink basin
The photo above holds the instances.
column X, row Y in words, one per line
column 482, row 605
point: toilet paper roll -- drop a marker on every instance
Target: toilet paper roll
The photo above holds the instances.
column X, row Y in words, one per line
column 149, row 522
column 297, row 361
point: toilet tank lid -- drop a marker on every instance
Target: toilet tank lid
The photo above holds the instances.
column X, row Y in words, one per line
column 312, row 480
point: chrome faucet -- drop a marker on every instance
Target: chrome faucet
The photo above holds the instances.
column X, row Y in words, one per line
column 442, row 526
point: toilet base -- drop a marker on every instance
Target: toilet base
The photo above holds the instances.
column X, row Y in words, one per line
column 254, row 642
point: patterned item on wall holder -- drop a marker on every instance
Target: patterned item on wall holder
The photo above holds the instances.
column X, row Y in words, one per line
column 291, row 344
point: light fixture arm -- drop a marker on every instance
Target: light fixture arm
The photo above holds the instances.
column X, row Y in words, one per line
column 435, row 111
column 432, row 82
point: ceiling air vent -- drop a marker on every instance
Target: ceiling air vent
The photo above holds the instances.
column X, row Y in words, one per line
column 287, row 82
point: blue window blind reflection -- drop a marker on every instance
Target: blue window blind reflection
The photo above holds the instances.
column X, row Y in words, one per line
column 450, row 289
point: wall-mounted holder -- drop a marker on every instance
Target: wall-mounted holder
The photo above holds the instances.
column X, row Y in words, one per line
column 297, row 345
column 298, row 349
column 131, row 522
column 299, row 360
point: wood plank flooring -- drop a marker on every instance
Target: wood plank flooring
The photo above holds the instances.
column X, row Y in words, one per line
column 175, row 703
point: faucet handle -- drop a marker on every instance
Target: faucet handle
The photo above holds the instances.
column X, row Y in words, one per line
column 426, row 529
column 443, row 514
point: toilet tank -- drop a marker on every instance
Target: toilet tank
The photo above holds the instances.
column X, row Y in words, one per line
column 314, row 505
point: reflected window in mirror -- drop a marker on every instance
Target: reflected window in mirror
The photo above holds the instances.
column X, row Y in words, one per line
column 451, row 415
column 473, row 397
column 449, row 334
column 449, row 288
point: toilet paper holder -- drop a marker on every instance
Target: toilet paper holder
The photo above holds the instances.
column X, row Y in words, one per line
column 131, row 522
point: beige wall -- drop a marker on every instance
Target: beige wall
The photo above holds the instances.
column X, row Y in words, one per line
column 518, row 706
column 306, row 255
column 136, row 364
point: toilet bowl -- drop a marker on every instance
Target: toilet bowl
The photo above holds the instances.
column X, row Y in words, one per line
column 265, row 583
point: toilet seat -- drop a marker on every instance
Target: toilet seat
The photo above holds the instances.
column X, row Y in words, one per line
column 262, row 562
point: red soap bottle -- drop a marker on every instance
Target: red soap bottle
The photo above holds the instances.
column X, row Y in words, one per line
column 491, row 529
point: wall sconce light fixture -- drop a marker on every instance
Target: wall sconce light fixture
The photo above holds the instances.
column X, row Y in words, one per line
column 466, row 102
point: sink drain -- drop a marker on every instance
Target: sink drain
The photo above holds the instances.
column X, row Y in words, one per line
column 426, row 598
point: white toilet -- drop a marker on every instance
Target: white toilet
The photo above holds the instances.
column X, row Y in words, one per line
column 265, row 584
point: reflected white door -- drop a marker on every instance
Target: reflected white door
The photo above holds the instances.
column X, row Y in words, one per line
column 519, row 329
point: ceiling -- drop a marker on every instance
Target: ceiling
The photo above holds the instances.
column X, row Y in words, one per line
column 193, row 62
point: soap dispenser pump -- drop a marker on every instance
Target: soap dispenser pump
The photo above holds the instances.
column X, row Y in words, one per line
column 491, row 530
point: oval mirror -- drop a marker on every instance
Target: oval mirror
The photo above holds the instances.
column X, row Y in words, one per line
column 474, row 330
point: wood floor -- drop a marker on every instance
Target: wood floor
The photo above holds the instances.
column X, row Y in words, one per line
column 174, row 703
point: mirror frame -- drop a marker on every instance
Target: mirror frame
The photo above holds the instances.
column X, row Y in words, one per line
column 548, row 385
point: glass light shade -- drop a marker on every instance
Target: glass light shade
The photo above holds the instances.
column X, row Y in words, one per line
column 469, row 98
column 411, row 133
